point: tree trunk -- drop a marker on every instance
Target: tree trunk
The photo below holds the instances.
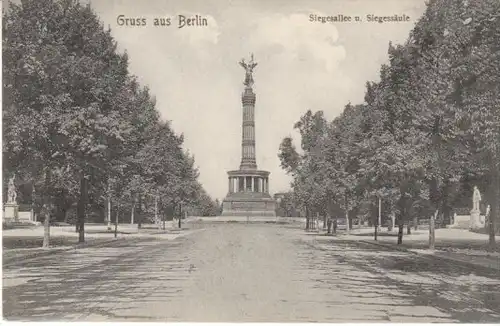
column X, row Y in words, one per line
column 180, row 215
column 393, row 220
column 33, row 196
column 45, row 208
column 347, row 226
column 82, row 202
column 495, row 214
column 46, row 229
column 493, row 224
column 324, row 222
column 408, row 228
column 132, row 213
column 116, row 220
column 376, row 231
column 139, row 213
column 157, row 221
column 491, row 227
column 307, row 219
column 436, row 200
column 379, row 218
column 432, row 234
column 400, row 233
column 347, row 222
column 415, row 223
column 109, row 209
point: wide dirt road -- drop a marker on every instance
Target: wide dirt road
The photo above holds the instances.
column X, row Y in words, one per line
column 240, row 272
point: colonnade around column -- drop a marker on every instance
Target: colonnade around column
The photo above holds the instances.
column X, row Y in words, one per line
column 248, row 184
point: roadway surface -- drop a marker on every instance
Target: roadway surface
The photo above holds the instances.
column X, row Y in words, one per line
column 240, row 272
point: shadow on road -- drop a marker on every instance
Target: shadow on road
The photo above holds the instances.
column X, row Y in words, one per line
column 64, row 287
column 468, row 295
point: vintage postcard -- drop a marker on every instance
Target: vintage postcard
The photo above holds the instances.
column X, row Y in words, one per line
column 251, row 161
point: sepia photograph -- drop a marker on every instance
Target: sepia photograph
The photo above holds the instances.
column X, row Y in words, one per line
column 331, row 161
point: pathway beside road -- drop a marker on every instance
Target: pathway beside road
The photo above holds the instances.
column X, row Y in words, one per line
column 25, row 243
column 453, row 244
column 248, row 272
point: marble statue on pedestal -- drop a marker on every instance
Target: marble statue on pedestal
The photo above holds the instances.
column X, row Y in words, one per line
column 486, row 218
column 11, row 192
column 476, row 199
column 11, row 207
column 475, row 218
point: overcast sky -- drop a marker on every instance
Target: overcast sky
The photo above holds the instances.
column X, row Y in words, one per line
column 195, row 76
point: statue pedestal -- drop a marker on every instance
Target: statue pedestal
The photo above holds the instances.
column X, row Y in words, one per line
column 249, row 204
column 475, row 220
column 11, row 211
column 249, row 197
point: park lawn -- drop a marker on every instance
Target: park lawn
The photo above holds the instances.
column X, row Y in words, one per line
column 21, row 247
column 36, row 241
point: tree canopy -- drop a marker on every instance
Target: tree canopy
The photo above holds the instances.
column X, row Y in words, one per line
column 430, row 124
column 77, row 125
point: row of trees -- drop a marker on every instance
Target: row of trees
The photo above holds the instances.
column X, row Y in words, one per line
column 78, row 127
column 427, row 132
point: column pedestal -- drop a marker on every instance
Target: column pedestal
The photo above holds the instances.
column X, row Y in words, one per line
column 253, row 200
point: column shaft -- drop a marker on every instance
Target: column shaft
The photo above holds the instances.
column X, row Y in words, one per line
column 248, row 130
